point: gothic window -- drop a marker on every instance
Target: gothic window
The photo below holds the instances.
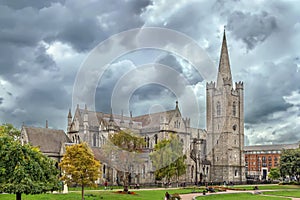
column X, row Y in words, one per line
column 218, row 108
column 143, row 171
column 192, row 171
column 236, row 173
column 104, row 171
column 148, row 142
column 94, row 140
column 234, row 108
column 155, row 138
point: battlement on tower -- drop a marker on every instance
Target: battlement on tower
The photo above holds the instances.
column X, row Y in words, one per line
column 239, row 85
column 210, row 85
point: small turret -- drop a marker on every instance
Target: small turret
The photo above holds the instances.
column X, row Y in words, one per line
column 210, row 85
column 239, row 85
column 69, row 120
column 130, row 122
column 122, row 119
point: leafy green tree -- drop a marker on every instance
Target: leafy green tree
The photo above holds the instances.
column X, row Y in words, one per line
column 168, row 159
column 9, row 129
column 127, row 141
column 274, row 174
column 290, row 163
column 24, row 169
column 123, row 148
column 79, row 166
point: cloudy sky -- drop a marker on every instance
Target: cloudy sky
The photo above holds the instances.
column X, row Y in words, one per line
column 45, row 47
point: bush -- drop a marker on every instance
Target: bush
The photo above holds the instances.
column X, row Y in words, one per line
column 175, row 197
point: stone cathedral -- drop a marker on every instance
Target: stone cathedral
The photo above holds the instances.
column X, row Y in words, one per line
column 213, row 155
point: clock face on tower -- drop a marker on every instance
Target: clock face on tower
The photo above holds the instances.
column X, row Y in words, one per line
column 234, row 127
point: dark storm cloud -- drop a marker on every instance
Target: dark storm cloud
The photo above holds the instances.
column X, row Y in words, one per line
column 252, row 29
column 151, row 92
column 191, row 75
column 43, row 59
column 17, row 4
column 265, row 89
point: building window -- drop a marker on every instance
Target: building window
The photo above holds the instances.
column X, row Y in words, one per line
column 236, row 173
column 94, row 140
column 234, row 108
column 155, row 138
column 270, row 158
column 218, row 108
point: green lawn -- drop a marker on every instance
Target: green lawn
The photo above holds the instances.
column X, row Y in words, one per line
column 159, row 194
column 244, row 196
column 108, row 195
column 267, row 187
column 292, row 193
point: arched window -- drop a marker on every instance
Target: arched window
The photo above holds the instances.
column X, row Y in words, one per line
column 218, row 108
column 94, row 140
column 155, row 138
column 192, row 171
column 236, row 173
column 234, row 108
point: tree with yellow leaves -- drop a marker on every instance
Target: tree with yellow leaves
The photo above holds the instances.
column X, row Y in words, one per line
column 79, row 166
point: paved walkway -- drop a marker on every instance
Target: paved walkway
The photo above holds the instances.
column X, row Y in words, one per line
column 193, row 195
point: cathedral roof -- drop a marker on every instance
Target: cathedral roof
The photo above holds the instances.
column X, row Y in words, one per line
column 48, row 140
column 154, row 119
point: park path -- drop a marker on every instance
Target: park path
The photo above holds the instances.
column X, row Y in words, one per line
column 193, row 195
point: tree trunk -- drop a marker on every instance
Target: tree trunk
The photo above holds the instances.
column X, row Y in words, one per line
column 18, row 196
column 82, row 192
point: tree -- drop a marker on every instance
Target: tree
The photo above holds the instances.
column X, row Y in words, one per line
column 24, row 169
column 79, row 166
column 9, row 129
column 124, row 149
column 127, row 141
column 290, row 163
column 168, row 159
column 274, row 174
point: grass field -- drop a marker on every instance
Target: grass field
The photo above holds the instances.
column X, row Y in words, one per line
column 105, row 195
column 292, row 193
column 243, row 196
column 289, row 191
column 267, row 187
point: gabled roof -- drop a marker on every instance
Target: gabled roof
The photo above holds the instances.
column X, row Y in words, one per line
column 154, row 119
column 48, row 140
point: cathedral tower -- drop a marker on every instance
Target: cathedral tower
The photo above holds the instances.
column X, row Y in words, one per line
column 225, row 124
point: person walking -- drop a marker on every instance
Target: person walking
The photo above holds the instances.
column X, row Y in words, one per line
column 167, row 196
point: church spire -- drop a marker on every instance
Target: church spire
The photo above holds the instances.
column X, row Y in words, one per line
column 224, row 72
column 111, row 118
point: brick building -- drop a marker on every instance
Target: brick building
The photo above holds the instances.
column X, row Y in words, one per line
column 261, row 158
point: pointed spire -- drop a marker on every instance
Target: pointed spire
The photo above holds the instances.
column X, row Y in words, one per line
column 130, row 122
column 70, row 114
column 176, row 105
column 111, row 119
column 122, row 117
column 224, row 72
